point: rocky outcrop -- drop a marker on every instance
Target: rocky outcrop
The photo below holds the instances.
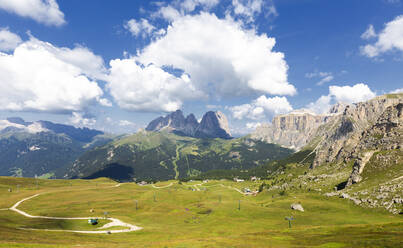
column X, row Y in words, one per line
column 366, row 126
column 212, row 125
column 173, row 121
column 293, row 130
column 296, row 206
column 358, row 168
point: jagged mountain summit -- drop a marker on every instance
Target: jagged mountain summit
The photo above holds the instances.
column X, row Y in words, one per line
column 212, row 125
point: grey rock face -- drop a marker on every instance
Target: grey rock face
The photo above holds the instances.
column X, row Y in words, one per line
column 293, row 130
column 213, row 125
column 367, row 126
column 173, row 121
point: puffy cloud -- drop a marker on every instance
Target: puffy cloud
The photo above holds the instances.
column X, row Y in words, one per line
column 148, row 88
column 169, row 13
column 125, row 123
column 345, row 94
column 8, row 40
column 221, row 57
column 369, row 33
column 79, row 119
column 105, row 102
column 397, row 91
column 261, row 107
column 42, row 11
column 190, row 5
column 142, row 27
column 249, row 9
column 178, row 9
column 325, row 77
column 322, row 105
column 389, row 39
column 252, row 125
column 38, row 76
column 351, row 94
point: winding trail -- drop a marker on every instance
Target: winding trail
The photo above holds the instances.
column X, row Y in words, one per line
column 229, row 187
column 114, row 221
column 161, row 187
column 222, row 185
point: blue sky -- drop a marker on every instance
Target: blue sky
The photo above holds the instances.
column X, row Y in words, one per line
column 116, row 66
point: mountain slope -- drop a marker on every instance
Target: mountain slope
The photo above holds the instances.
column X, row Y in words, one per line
column 293, row 130
column 164, row 155
column 360, row 152
column 41, row 148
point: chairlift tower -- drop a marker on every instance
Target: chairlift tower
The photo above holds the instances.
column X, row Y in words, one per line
column 289, row 221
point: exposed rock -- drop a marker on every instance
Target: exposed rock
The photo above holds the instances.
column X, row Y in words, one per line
column 373, row 125
column 296, row 206
column 358, row 167
column 172, row 121
column 293, row 130
column 213, row 125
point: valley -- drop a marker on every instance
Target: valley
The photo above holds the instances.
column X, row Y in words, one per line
column 172, row 215
column 342, row 187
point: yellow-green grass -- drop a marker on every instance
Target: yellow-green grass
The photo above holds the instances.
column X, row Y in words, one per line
column 178, row 217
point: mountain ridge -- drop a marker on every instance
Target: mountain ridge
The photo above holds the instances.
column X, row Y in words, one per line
column 212, row 125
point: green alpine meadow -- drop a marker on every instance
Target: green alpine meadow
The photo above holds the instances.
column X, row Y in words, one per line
column 201, row 124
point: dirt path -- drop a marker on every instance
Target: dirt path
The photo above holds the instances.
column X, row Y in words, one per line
column 229, row 187
column 161, row 187
column 114, row 221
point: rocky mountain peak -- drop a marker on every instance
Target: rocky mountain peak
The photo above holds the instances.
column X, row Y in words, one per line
column 358, row 129
column 338, row 108
column 213, row 125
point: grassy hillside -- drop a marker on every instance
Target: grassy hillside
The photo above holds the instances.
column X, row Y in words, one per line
column 178, row 216
column 42, row 154
column 156, row 156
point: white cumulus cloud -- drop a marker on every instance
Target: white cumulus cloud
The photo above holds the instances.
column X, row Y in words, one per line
column 142, row 27
column 248, row 10
column 397, row 91
column 262, row 107
column 38, row 76
column 369, row 33
column 42, row 11
column 221, row 57
column 389, row 39
column 80, row 120
column 148, row 88
column 344, row 94
column 190, row 5
column 8, row 40
column 125, row 123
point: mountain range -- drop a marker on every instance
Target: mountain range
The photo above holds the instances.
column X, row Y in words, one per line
column 356, row 147
column 42, row 148
column 212, row 125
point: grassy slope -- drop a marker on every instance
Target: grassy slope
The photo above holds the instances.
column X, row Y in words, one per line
column 183, row 218
column 162, row 156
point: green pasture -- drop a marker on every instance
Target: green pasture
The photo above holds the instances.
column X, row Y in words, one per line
column 181, row 216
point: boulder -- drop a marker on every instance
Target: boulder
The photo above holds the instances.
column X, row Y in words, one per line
column 297, row 206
